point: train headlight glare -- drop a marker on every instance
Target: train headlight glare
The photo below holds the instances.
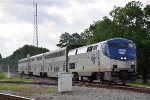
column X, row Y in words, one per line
column 125, row 58
column 121, row 57
column 132, row 62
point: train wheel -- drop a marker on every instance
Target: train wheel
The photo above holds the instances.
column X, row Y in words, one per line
column 100, row 77
column 124, row 83
column 91, row 78
column 75, row 77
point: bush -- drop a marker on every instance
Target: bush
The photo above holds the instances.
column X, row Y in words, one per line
column 2, row 75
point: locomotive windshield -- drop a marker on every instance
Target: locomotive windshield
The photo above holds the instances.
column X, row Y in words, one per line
column 121, row 45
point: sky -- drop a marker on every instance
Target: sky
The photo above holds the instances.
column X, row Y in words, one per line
column 54, row 18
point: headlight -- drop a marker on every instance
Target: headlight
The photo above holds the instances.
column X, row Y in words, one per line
column 121, row 57
column 125, row 58
column 132, row 62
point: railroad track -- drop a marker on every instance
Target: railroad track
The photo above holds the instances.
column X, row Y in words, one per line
column 4, row 96
column 95, row 85
column 115, row 86
column 53, row 81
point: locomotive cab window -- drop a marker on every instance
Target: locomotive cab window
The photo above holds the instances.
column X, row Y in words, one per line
column 95, row 47
column 89, row 49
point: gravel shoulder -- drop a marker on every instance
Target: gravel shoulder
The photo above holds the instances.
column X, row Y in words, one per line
column 45, row 92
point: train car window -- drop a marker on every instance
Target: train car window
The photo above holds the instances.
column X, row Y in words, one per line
column 76, row 51
column 39, row 58
column 71, row 65
column 64, row 66
column 89, row 49
column 95, row 47
column 34, row 68
column 32, row 59
column 56, row 69
column 51, row 67
column 62, row 53
column 52, row 55
column 59, row 54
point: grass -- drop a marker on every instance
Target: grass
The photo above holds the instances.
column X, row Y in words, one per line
column 13, row 78
column 52, row 90
column 2, row 76
column 140, row 83
column 13, row 87
column 16, row 79
column 24, row 90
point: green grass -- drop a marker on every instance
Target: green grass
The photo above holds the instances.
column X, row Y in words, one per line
column 2, row 75
column 16, row 79
column 52, row 90
column 140, row 83
column 13, row 87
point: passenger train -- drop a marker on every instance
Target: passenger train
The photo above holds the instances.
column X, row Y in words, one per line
column 113, row 60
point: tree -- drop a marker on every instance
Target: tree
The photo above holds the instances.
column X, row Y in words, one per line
column 21, row 53
column 103, row 29
column 64, row 40
column 74, row 38
column 133, row 20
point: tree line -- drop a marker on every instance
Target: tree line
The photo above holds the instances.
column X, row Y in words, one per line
column 131, row 22
column 20, row 53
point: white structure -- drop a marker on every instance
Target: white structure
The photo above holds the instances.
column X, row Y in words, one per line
column 64, row 82
column 8, row 73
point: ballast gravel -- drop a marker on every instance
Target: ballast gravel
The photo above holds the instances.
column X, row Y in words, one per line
column 81, row 93
column 88, row 93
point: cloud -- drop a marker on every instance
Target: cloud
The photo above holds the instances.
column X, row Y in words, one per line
column 54, row 18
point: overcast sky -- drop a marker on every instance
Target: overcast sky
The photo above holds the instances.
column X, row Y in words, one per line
column 54, row 18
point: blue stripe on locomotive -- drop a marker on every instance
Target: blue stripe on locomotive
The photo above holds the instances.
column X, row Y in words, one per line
column 118, row 52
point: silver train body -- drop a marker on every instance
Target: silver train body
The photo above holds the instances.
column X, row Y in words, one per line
column 112, row 60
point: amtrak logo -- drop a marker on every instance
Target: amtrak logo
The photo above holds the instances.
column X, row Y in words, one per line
column 122, row 51
column 93, row 58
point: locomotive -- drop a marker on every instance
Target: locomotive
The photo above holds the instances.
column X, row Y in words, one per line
column 112, row 60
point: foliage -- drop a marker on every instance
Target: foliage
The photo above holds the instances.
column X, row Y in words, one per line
column 20, row 53
column 133, row 20
column 130, row 22
column 67, row 39
column 2, row 76
column 64, row 40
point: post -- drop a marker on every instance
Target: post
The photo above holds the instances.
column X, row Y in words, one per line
column 8, row 73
